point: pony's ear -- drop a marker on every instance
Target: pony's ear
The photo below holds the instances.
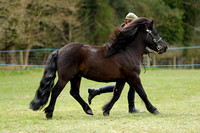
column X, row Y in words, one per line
column 143, row 25
column 151, row 23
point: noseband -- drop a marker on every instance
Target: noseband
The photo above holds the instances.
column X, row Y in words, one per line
column 154, row 39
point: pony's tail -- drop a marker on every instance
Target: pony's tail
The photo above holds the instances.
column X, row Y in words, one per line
column 47, row 82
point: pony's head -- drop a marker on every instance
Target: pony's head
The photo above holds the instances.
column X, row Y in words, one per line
column 153, row 40
column 128, row 34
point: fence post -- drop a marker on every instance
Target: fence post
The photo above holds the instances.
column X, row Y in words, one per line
column 192, row 62
column 154, row 60
column 21, row 58
column 174, row 62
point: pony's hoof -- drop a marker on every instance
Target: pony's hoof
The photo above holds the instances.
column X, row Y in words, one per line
column 89, row 112
column 156, row 112
column 105, row 113
column 49, row 116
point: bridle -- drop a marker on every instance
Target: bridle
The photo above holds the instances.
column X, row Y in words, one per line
column 157, row 46
column 154, row 39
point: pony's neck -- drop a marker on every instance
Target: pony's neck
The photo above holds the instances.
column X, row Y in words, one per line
column 137, row 46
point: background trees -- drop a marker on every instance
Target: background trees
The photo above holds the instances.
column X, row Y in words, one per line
column 35, row 23
column 51, row 24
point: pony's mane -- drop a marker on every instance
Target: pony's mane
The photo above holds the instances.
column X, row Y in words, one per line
column 123, row 37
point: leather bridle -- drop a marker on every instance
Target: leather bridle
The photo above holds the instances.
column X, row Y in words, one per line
column 159, row 47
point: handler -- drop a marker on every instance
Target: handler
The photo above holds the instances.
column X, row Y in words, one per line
column 131, row 94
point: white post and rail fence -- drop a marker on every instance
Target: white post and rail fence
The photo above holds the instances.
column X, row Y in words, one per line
column 175, row 57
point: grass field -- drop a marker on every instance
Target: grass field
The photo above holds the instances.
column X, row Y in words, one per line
column 176, row 94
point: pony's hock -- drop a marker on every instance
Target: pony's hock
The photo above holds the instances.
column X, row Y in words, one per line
column 117, row 62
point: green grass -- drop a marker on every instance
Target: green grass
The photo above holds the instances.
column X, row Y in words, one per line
column 176, row 94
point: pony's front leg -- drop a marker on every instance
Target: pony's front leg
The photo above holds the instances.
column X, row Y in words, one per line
column 140, row 90
column 116, row 94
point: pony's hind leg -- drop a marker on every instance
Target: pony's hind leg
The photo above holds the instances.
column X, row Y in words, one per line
column 55, row 93
column 75, row 86
column 116, row 94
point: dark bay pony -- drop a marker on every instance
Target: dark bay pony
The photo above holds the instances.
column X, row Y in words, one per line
column 118, row 62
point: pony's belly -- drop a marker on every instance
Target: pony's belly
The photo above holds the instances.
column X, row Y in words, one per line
column 102, row 76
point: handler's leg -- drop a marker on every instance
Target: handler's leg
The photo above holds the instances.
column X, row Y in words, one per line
column 131, row 101
column 93, row 92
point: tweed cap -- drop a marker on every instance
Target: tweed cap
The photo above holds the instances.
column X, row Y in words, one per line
column 131, row 16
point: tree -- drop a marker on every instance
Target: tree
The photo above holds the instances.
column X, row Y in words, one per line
column 8, row 29
column 189, row 18
column 96, row 21
column 36, row 23
column 26, row 24
column 168, row 21
column 120, row 10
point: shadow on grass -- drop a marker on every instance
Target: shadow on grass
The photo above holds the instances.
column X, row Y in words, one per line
column 116, row 115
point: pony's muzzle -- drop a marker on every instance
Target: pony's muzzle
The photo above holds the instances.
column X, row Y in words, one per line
column 162, row 49
column 159, row 47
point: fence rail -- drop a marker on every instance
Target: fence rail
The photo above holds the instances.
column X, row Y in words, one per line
column 49, row 49
column 183, row 65
column 37, row 58
column 31, row 50
column 192, row 47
